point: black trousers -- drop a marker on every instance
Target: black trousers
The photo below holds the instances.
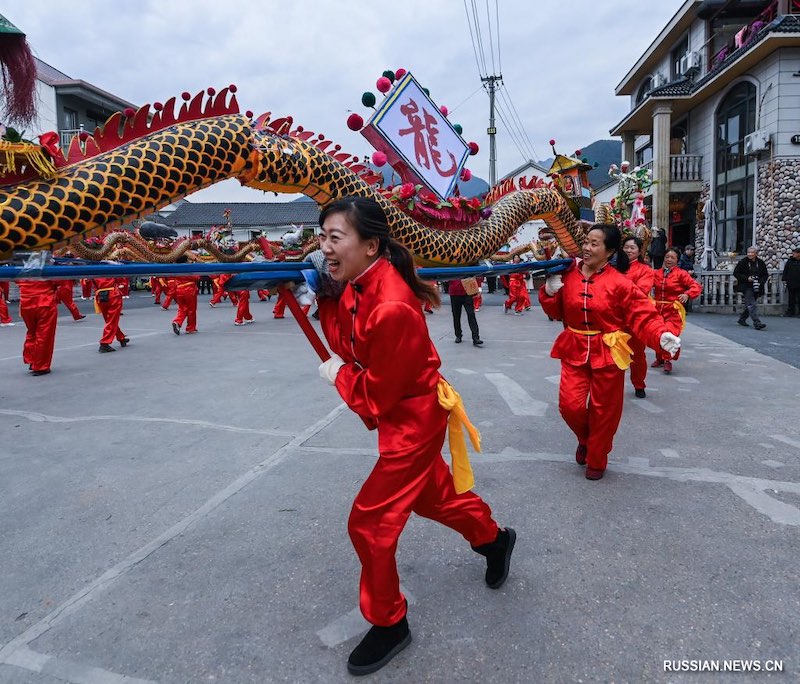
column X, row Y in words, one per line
column 456, row 304
column 793, row 308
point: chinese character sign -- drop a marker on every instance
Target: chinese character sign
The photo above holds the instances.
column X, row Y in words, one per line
column 412, row 131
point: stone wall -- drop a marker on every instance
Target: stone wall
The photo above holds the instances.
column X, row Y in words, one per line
column 777, row 210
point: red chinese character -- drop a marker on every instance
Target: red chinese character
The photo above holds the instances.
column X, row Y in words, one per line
column 425, row 132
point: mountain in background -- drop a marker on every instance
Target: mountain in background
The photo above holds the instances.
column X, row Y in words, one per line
column 604, row 152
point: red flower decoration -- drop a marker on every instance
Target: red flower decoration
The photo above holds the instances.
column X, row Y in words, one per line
column 474, row 203
column 406, row 191
column 466, row 175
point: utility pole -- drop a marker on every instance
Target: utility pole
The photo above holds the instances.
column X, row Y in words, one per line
column 492, row 84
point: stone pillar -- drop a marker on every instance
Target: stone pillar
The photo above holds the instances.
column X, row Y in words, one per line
column 661, row 128
column 628, row 152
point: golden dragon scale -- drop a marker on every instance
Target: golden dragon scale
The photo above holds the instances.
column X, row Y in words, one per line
column 133, row 166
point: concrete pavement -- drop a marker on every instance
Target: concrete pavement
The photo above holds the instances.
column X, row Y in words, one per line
column 176, row 512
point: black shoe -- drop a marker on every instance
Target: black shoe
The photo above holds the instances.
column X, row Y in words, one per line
column 176, row 329
column 315, row 315
column 477, row 343
column 105, row 348
column 458, row 340
column 40, row 372
column 759, row 326
column 378, row 647
column 640, row 394
column 498, row 557
column 124, row 342
column 743, row 322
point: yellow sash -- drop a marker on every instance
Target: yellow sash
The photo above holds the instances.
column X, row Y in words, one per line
column 450, row 400
column 616, row 341
column 680, row 308
column 97, row 292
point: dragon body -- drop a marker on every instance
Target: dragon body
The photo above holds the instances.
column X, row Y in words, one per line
column 136, row 164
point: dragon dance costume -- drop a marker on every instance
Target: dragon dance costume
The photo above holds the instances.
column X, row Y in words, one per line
column 594, row 352
column 390, row 379
column 110, row 305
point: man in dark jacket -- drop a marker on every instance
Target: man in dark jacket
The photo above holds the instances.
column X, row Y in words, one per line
column 751, row 278
column 658, row 247
column 791, row 276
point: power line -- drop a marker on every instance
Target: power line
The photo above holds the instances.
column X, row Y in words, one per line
column 522, row 128
column 491, row 42
column 512, row 134
column 472, row 38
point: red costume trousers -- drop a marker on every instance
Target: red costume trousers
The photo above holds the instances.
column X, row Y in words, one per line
column 243, row 306
column 111, row 311
column 4, row 315
column 638, row 363
column 590, row 401
column 64, row 296
column 400, row 483
column 187, row 307
column 279, row 310
column 37, row 351
column 516, row 296
column 86, row 288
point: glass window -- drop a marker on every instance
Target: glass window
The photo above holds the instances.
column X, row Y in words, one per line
column 734, row 170
column 645, row 88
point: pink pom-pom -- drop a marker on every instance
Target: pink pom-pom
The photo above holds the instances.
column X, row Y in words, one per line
column 249, row 113
column 444, row 110
column 473, row 148
column 355, row 122
column 466, row 175
column 232, row 88
column 129, row 112
column 83, row 135
column 400, row 73
column 578, row 153
column 379, row 158
column 211, row 91
column 158, row 106
column 552, row 142
column 383, row 84
column 186, row 95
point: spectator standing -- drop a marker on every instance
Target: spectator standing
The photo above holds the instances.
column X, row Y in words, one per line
column 686, row 262
column 791, row 276
column 751, row 277
column 658, row 248
column 461, row 299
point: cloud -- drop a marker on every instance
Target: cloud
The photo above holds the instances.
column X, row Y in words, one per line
column 312, row 59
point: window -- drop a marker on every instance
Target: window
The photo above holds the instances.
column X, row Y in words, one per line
column 735, row 171
column 644, row 156
column 70, row 120
column 680, row 50
column 645, row 88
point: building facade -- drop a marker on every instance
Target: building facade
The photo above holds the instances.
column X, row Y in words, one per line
column 715, row 112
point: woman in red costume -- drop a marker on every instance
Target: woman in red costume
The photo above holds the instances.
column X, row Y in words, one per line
column 186, row 296
column 386, row 369
column 641, row 275
column 39, row 309
column 108, row 301
column 673, row 287
column 597, row 303
column 516, row 291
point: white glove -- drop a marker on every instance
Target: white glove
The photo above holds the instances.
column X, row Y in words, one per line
column 553, row 284
column 330, row 368
column 303, row 294
column 670, row 343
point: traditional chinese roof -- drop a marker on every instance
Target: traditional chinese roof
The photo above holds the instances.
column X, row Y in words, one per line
column 243, row 214
column 563, row 163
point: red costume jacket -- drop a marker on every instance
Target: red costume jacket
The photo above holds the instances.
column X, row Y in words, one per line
column 605, row 302
column 391, row 366
column 641, row 275
column 668, row 286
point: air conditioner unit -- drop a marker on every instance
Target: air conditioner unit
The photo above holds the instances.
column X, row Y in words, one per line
column 659, row 80
column 757, row 141
column 690, row 63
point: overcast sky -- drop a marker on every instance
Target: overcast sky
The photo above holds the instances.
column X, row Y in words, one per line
column 560, row 60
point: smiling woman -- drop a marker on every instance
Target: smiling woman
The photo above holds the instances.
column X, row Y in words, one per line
column 386, row 369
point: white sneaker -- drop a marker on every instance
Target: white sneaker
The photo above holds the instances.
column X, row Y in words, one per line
column 252, row 320
column 6, row 325
column 518, row 313
column 126, row 296
column 238, row 322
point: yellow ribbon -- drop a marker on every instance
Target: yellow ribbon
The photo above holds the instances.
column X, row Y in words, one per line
column 450, row 400
column 680, row 308
column 616, row 341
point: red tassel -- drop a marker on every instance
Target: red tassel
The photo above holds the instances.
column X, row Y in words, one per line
column 18, row 69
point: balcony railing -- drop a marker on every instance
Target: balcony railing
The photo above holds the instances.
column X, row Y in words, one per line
column 685, row 167
column 68, row 135
column 682, row 167
column 719, row 291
